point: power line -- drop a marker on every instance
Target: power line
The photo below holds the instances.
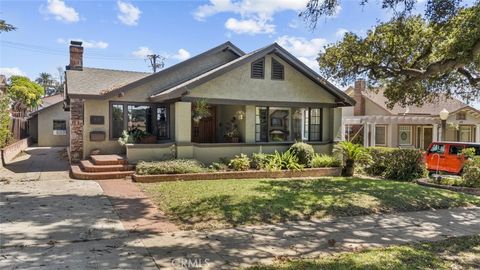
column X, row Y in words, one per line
column 52, row 51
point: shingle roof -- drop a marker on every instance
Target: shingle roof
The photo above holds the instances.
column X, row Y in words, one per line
column 93, row 81
column 428, row 108
column 47, row 102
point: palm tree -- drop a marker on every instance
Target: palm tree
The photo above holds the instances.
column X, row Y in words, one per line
column 351, row 153
column 46, row 81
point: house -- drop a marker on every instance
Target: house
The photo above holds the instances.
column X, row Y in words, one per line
column 48, row 125
column 372, row 123
column 257, row 102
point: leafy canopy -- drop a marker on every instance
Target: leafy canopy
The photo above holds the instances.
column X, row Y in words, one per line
column 414, row 58
column 21, row 89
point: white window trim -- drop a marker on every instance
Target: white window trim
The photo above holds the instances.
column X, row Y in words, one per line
column 411, row 134
column 385, row 136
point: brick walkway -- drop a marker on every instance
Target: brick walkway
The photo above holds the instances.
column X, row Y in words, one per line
column 136, row 211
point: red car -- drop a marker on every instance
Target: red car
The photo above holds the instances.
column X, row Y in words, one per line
column 447, row 156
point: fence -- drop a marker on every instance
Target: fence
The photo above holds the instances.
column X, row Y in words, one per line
column 19, row 126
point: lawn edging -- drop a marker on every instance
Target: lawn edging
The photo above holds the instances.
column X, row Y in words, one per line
column 310, row 172
column 468, row 190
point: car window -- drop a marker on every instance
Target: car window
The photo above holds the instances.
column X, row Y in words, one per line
column 455, row 149
column 437, row 149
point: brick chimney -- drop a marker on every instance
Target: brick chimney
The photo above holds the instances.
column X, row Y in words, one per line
column 359, row 87
column 76, row 55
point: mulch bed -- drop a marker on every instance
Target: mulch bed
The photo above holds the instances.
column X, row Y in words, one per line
column 315, row 172
column 468, row 190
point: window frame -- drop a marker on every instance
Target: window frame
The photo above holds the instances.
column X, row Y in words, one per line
column 385, row 136
column 59, row 132
column 271, row 71
column 411, row 135
column 153, row 116
column 262, row 60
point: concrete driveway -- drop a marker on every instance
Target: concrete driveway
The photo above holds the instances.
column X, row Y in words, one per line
column 50, row 221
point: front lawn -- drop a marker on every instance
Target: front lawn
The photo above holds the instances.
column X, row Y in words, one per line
column 224, row 203
column 453, row 253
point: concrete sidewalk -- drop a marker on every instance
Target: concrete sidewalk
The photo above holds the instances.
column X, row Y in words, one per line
column 244, row 246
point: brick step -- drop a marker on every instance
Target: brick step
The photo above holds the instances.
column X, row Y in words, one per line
column 108, row 160
column 88, row 166
column 77, row 173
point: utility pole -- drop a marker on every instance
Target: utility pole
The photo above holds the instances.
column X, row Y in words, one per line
column 156, row 61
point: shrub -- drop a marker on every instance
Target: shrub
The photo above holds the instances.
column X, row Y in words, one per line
column 303, row 151
column 174, row 166
column 240, row 163
column 259, row 161
column 285, row 161
column 351, row 153
column 471, row 172
column 380, row 160
column 323, row 160
column 405, row 165
column 218, row 166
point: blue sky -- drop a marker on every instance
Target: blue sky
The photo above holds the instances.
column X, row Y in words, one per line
column 117, row 34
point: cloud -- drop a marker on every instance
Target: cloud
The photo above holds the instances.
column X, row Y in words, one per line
column 249, row 26
column 256, row 17
column 129, row 14
column 305, row 50
column 142, row 52
column 91, row 44
column 182, row 55
column 60, row 11
column 341, row 32
column 7, row 71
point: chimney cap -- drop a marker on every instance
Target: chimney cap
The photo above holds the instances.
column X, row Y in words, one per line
column 76, row 43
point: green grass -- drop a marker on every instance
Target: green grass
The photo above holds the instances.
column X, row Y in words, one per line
column 225, row 203
column 453, row 253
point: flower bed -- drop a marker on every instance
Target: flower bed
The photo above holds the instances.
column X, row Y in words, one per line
column 251, row 174
column 469, row 190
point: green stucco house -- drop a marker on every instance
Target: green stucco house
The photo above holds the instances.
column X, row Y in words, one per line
column 260, row 101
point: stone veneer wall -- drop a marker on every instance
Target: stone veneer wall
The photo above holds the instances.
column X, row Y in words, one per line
column 76, row 129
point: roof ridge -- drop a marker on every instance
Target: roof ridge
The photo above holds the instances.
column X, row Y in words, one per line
column 119, row 70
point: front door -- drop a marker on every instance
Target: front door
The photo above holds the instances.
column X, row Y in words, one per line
column 427, row 137
column 205, row 130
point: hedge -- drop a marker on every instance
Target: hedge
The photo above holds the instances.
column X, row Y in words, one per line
column 396, row 164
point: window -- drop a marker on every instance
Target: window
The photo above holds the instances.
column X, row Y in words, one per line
column 380, row 135
column 277, row 70
column 258, row 69
column 461, row 116
column 59, row 127
column 455, row 149
column 404, row 135
column 465, row 133
column 279, row 124
column 437, row 149
column 146, row 117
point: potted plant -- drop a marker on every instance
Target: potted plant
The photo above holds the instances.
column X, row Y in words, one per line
column 351, row 153
column 233, row 135
column 200, row 110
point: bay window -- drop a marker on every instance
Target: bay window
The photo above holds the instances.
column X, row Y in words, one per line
column 151, row 118
column 280, row 124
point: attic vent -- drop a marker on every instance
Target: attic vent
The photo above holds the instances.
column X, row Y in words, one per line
column 258, row 69
column 277, row 70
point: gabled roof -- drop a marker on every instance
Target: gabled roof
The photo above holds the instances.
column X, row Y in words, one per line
column 95, row 81
column 48, row 102
column 428, row 108
column 104, row 83
column 183, row 88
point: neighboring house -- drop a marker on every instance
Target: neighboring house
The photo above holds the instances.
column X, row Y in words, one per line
column 48, row 125
column 372, row 123
column 259, row 102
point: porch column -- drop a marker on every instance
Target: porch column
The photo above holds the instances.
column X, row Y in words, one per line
column 338, row 129
column 477, row 134
column 342, row 132
column 372, row 135
column 183, row 129
column 250, row 124
column 435, row 133
column 365, row 134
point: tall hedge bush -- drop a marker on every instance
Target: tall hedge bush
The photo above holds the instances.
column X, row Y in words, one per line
column 303, row 151
column 471, row 172
column 396, row 164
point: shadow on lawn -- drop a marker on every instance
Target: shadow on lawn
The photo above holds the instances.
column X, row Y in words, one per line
column 66, row 230
column 280, row 200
